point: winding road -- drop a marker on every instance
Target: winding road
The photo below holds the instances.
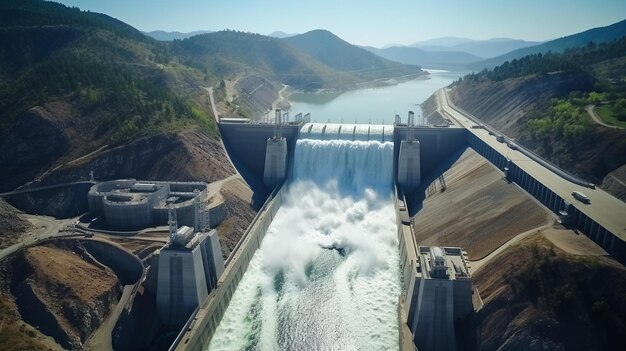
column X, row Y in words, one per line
column 591, row 110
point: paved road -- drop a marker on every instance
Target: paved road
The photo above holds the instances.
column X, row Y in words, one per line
column 605, row 209
column 592, row 113
column 45, row 228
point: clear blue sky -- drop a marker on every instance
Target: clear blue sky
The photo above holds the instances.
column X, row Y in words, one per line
column 370, row 22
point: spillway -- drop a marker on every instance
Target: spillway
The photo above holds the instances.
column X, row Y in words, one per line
column 327, row 273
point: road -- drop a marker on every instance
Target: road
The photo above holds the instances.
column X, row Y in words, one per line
column 45, row 187
column 478, row 264
column 605, row 209
column 101, row 338
column 45, row 228
column 592, row 113
column 210, row 91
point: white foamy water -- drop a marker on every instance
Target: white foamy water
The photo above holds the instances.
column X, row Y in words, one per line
column 326, row 276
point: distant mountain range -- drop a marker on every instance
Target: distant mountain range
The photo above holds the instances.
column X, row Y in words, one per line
column 425, row 58
column 169, row 36
column 481, row 48
column 596, row 35
column 281, row 35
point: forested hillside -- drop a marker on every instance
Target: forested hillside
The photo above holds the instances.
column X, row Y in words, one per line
column 542, row 100
column 75, row 83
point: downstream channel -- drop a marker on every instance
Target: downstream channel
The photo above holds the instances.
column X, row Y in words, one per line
column 326, row 275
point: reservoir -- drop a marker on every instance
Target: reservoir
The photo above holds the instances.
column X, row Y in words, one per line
column 371, row 105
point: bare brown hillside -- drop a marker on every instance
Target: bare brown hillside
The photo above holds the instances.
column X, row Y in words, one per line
column 538, row 297
column 478, row 211
column 11, row 225
column 57, row 290
column 64, row 140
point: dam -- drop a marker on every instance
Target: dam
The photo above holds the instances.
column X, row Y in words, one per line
column 331, row 259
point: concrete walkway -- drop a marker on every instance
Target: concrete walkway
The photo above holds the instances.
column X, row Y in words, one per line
column 591, row 110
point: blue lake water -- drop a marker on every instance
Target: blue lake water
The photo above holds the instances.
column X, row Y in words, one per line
column 371, row 105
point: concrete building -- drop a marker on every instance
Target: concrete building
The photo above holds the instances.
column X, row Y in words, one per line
column 409, row 172
column 128, row 204
column 189, row 267
column 440, row 293
column 275, row 170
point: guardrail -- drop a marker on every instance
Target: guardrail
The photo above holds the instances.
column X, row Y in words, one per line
column 555, row 169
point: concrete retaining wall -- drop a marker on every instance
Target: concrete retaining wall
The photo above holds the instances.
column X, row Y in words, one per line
column 201, row 329
column 126, row 266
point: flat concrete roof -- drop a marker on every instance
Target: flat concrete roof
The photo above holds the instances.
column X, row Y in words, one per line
column 457, row 265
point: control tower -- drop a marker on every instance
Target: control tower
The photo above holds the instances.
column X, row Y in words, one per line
column 441, row 293
column 190, row 266
column 409, row 172
column 275, row 156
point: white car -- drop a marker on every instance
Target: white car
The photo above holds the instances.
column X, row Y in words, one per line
column 581, row 197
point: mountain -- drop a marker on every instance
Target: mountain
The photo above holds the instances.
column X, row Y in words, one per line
column 596, row 35
column 441, row 42
column 424, row 58
column 73, row 82
column 280, row 35
column 169, row 36
column 228, row 52
column 334, row 52
column 485, row 48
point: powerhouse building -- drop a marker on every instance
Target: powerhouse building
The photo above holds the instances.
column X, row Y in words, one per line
column 189, row 268
column 440, row 293
column 129, row 204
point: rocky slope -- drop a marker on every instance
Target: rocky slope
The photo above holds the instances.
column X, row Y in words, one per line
column 11, row 224
column 538, row 297
column 60, row 290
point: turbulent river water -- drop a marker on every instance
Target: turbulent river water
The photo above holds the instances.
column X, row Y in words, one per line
column 326, row 276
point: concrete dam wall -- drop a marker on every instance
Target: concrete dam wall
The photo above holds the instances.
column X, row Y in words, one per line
column 246, row 144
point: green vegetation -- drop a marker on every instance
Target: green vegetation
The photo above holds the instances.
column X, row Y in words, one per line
column 103, row 66
column 576, row 59
column 563, row 119
column 604, row 65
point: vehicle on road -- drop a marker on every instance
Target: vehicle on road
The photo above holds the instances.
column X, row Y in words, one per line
column 500, row 138
column 581, row 197
column 513, row 146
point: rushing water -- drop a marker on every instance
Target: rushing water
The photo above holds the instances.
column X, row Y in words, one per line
column 375, row 105
column 326, row 276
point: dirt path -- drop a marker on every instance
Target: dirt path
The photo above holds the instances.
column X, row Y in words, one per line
column 281, row 97
column 592, row 113
column 476, row 265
